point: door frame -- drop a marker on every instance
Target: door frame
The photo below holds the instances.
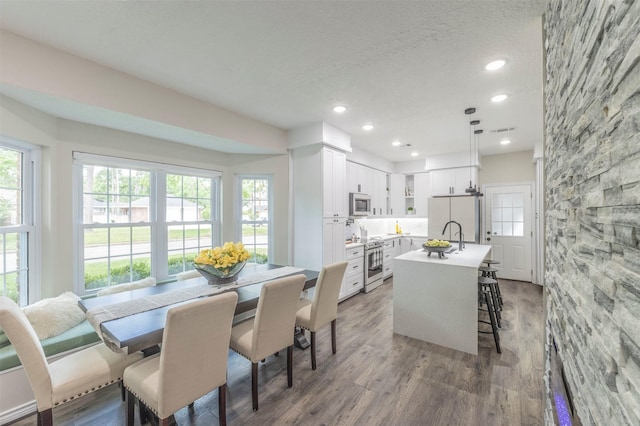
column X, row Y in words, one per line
column 535, row 238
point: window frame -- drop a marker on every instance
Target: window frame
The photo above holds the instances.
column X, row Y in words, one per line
column 30, row 218
column 159, row 245
column 238, row 209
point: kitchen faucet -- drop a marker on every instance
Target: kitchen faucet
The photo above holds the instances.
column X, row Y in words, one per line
column 460, row 231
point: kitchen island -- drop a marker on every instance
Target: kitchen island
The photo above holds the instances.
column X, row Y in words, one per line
column 436, row 299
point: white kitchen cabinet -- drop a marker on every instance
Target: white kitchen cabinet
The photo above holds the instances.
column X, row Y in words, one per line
column 359, row 178
column 333, row 247
column 353, row 281
column 334, row 190
column 379, row 193
column 396, row 195
column 369, row 181
column 405, row 245
column 415, row 243
column 392, row 248
column 421, row 194
column 319, row 206
column 416, row 194
column 452, row 181
column 462, row 209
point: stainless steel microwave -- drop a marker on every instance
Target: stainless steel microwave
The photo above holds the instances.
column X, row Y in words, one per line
column 359, row 204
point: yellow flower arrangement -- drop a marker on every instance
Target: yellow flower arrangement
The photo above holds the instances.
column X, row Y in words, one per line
column 225, row 259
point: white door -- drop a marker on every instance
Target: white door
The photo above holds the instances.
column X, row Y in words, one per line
column 508, row 229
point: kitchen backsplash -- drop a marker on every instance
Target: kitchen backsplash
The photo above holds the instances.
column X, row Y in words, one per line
column 374, row 227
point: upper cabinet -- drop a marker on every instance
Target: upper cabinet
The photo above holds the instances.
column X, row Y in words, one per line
column 379, row 194
column 416, row 191
column 396, row 195
column 369, row 181
column 452, row 181
column 421, row 184
column 334, row 201
column 359, row 178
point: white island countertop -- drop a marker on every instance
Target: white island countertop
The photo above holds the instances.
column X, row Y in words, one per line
column 436, row 299
column 471, row 256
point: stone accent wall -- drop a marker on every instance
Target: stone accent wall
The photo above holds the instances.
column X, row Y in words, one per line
column 592, row 179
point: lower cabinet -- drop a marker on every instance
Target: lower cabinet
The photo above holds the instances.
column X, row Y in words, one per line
column 353, row 281
column 415, row 243
column 392, row 248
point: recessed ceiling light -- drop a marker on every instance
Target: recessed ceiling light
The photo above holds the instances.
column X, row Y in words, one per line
column 414, row 154
column 396, row 143
column 367, row 127
column 498, row 98
column 339, row 109
column 505, row 142
column 495, row 65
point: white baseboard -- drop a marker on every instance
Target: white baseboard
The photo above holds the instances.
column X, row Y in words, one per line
column 18, row 412
column 17, row 397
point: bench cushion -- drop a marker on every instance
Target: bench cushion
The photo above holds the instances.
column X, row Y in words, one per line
column 76, row 337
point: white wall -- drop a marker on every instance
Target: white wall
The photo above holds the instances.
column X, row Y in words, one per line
column 507, row 168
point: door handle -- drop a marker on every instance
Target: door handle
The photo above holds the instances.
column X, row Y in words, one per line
column 488, row 238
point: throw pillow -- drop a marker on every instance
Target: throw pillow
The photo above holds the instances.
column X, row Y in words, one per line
column 145, row 282
column 50, row 317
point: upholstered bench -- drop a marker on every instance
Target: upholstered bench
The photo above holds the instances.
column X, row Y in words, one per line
column 76, row 337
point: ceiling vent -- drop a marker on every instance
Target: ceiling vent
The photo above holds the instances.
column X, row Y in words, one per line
column 503, row 130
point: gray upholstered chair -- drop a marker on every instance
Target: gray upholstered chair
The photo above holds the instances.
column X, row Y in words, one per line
column 323, row 309
column 67, row 378
column 271, row 330
column 192, row 363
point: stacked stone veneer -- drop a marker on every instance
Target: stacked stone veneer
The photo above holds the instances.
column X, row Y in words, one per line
column 592, row 187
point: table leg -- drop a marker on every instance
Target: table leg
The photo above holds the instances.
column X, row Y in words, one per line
column 299, row 339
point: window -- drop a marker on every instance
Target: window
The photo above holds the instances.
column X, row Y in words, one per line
column 256, row 222
column 18, row 165
column 507, row 215
column 141, row 219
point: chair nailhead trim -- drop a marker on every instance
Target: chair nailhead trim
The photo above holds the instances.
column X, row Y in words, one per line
column 55, row 404
column 142, row 400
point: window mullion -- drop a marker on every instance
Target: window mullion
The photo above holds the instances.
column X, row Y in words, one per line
column 159, row 230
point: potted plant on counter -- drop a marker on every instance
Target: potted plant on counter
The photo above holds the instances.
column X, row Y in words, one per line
column 409, row 210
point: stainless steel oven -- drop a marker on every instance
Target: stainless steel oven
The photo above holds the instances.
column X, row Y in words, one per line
column 373, row 257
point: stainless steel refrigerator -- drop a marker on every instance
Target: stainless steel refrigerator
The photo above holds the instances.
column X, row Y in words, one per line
column 464, row 209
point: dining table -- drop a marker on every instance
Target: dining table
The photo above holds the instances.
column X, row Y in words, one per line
column 143, row 331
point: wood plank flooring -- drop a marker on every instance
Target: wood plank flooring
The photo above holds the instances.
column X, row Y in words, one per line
column 376, row 378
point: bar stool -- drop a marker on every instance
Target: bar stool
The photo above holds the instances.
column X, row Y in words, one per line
column 491, row 273
column 484, row 294
column 490, row 285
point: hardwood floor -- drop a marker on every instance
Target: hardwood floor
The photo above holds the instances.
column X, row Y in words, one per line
column 376, row 378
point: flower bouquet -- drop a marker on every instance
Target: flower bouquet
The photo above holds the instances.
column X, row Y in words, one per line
column 221, row 265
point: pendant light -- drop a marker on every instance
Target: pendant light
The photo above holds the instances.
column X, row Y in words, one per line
column 477, row 133
column 471, row 189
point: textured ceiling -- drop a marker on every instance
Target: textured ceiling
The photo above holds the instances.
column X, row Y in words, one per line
column 409, row 68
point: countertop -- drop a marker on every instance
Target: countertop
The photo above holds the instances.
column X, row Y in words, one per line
column 471, row 256
column 384, row 237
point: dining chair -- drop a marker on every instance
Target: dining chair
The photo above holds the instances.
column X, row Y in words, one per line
column 323, row 309
column 192, row 362
column 271, row 330
column 63, row 380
